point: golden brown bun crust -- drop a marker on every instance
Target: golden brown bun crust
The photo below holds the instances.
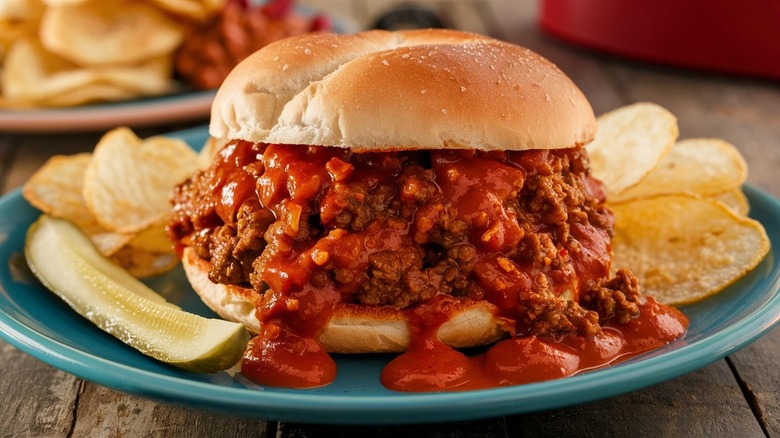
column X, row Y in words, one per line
column 429, row 88
column 353, row 328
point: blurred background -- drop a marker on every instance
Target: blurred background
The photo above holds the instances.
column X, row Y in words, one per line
column 729, row 36
column 65, row 53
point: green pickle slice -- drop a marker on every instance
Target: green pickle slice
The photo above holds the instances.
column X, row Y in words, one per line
column 66, row 262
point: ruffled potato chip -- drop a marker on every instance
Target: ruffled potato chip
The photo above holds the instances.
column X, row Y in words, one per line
column 129, row 181
column 734, row 199
column 630, row 141
column 704, row 166
column 5, row 103
column 109, row 32
column 684, row 248
column 56, row 189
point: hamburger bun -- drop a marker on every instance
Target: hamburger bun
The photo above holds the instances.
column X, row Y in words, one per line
column 421, row 89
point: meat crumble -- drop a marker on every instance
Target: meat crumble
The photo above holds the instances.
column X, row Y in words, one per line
column 526, row 230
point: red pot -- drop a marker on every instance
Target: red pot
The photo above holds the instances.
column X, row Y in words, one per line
column 729, row 36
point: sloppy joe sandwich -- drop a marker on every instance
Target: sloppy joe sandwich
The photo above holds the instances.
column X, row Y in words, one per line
column 410, row 192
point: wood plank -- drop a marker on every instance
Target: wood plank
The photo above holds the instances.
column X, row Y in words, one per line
column 705, row 403
column 756, row 368
column 38, row 400
column 493, row 428
column 8, row 147
column 103, row 412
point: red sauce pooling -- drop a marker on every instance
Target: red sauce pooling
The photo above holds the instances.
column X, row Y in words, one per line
column 286, row 352
column 287, row 361
column 430, row 365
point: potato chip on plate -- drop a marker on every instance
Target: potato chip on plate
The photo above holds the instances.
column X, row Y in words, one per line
column 734, row 199
column 56, row 189
column 149, row 77
column 630, row 141
column 705, row 166
column 684, row 248
column 128, row 182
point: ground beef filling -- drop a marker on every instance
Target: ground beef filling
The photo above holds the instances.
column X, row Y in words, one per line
column 527, row 231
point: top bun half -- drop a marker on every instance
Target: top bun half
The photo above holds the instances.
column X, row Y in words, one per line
column 421, row 89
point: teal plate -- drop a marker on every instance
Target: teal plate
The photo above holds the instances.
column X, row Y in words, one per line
column 37, row 322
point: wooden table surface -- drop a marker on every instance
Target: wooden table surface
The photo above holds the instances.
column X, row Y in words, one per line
column 738, row 396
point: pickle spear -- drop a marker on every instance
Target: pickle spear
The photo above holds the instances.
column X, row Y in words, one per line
column 66, row 262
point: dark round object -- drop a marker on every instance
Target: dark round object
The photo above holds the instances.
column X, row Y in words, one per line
column 409, row 17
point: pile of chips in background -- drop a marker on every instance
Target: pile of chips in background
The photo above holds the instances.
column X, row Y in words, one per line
column 68, row 52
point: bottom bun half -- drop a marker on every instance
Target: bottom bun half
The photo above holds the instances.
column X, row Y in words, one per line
column 353, row 328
